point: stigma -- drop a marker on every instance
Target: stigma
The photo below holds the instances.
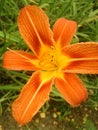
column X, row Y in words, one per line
column 53, row 59
column 48, row 60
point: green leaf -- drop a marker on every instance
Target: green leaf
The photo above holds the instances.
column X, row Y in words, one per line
column 89, row 125
column 0, row 109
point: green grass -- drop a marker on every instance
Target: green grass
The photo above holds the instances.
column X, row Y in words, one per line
column 85, row 12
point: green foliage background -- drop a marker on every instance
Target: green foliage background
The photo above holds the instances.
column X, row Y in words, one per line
column 85, row 12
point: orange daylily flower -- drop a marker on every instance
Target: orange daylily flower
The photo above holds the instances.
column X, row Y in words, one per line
column 54, row 60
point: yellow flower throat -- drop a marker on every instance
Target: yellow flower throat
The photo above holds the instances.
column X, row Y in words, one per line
column 53, row 59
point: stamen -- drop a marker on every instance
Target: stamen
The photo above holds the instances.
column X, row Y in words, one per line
column 48, row 60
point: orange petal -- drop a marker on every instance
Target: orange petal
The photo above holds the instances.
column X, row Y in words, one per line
column 34, row 27
column 34, row 94
column 84, row 58
column 19, row 60
column 72, row 89
column 63, row 31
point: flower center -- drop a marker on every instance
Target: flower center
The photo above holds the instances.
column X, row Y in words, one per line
column 53, row 59
column 48, row 60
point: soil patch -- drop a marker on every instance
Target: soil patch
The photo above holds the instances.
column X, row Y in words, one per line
column 61, row 118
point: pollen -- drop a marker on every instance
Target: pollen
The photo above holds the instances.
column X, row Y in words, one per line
column 53, row 59
column 48, row 60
